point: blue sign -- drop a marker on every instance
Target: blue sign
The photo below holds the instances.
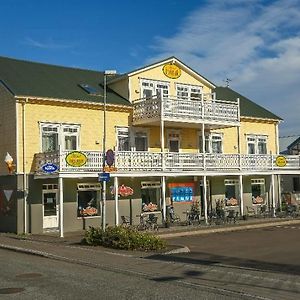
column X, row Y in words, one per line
column 104, row 177
column 49, row 168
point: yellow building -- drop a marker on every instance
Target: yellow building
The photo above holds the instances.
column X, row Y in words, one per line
column 164, row 130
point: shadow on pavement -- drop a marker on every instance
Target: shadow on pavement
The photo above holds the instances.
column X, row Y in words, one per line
column 207, row 259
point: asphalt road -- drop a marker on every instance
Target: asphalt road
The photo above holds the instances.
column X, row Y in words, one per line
column 253, row 264
column 31, row 277
column 268, row 249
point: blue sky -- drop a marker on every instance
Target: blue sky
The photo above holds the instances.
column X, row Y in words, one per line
column 255, row 43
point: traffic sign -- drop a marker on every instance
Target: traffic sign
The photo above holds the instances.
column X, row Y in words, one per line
column 104, row 177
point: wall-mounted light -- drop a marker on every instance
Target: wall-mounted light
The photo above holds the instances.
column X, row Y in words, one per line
column 9, row 163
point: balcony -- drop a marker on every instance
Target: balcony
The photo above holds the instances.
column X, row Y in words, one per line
column 147, row 162
column 206, row 110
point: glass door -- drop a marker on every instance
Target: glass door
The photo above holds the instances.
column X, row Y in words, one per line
column 50, row 209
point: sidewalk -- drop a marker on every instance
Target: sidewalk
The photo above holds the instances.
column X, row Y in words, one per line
column 69, row 247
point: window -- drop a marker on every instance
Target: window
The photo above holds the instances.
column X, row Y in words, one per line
column 231, row 191
column 258, row 190
column 150, row 193
column 213, row 143
column 123, row 139
column 174, row 139
column 87, row 200
column 70, row 137
column 151, row 88
column 141, row 141
column 257, row 144
column 188, row 91
column 54, row 135
column 50, row 138
column 216, row 144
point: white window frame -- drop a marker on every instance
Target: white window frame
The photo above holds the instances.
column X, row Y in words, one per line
column 189, row 90
column 61, row 133
column 153, row 86
column 255, row 139
column 209, row 137
column 122, row 131
column 143, row 132
column 174, row 135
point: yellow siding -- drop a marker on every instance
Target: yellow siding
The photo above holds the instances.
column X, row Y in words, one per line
column 7, row 127
column 90, row 120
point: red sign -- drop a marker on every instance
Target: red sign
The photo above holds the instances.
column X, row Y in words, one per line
column 123, row 191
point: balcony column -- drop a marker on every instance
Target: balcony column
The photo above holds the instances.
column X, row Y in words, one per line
column 279, row 192
column 273, row 194
column 61, row 206
column 116, row 187
column 241, row 195
column 163, row 192
column 203, row 145
column 162, row 135
column 205, row 199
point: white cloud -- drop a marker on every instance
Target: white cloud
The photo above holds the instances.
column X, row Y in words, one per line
column 253, row 43
column 48, row 44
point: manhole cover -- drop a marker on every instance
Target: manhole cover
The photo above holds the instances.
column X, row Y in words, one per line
column 29, row 275
column 7, row 291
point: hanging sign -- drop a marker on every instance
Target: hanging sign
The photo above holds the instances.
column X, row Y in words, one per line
column 76, row 159
column 49, row 168
column 172, row 71
column 281, row 161
column 123, row 190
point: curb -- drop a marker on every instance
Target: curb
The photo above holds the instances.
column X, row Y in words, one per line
column 228, row 229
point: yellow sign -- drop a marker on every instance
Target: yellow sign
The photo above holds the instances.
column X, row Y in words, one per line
column 76, row 159
column 172, row 71
column 281, row 161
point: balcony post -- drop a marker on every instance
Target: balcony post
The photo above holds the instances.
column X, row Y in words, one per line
column 162, row 136
column 163, row 192
column 61, row 206
column 116, row 187
column 241, row 195
column 273, row 195
column 203, row 146
column 205, row 199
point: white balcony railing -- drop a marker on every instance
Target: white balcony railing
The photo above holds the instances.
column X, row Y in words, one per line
column 207, row 109
column 142, row 161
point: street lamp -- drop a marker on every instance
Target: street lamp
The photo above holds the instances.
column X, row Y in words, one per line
column 106, row 73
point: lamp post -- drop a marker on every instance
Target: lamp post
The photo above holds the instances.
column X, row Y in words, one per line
column 106, row 73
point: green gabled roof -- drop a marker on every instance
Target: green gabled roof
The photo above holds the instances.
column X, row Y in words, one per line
column 247, row 107
column 24, row 78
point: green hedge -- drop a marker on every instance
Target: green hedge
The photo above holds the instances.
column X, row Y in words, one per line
column 126, row 238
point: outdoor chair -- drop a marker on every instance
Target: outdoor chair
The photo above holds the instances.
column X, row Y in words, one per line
column 174, row 218
column 250, row 211
column 232, row 216
column 125, row 221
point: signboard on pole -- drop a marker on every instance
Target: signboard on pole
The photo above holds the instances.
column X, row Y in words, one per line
column 104, row 177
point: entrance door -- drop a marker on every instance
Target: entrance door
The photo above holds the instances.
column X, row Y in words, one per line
column 50, row 209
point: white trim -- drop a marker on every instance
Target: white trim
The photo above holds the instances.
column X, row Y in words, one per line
column 172, row 60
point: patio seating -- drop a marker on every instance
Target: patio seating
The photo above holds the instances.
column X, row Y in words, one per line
column 173, row 217
column 251, row 211
column 232, row 216
column 125, row 221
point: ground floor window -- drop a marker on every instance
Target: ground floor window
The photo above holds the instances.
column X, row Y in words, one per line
column 258, row 190
column 231, row 192
column 151, row 196
column 87, row 200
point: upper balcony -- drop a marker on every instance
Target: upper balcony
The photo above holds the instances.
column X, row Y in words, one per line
column 130, row 162
column 206, row 110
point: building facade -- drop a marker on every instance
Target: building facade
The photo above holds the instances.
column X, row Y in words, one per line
column 168, row 136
